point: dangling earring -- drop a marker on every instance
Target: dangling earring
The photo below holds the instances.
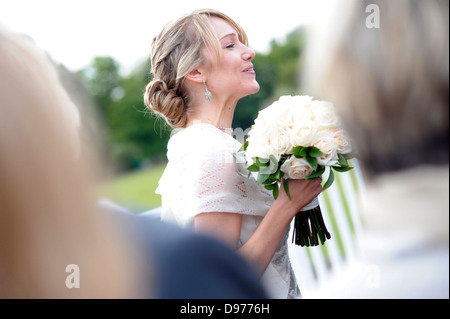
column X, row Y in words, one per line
column 208, row 94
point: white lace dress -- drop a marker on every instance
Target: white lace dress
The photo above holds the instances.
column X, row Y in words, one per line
column 203, row 176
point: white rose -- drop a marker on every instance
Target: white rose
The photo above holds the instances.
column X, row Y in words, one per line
column 257, row 147
column 302, row 133
column 344, row 145
column 276, row 110
column 296, row 168
column 325, row 114
column 264, row 141
column 279, row 141
column 326, row 143
column 269, row 135
column 299, row 113
column 290, row 108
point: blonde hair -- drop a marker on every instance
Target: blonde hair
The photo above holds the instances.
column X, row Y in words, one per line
column 47, row 209
column 390, row 83
column 176, row 51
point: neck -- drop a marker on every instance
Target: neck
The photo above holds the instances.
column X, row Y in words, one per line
column 217, row 114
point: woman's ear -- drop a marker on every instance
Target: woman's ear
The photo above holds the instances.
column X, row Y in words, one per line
column 194, row 76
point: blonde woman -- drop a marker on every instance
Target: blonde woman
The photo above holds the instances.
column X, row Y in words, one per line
column 201, row 67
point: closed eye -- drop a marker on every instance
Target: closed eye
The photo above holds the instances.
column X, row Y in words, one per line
column 230, row 46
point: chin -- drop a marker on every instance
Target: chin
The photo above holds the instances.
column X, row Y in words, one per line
column 250, row 89
column 255, row 88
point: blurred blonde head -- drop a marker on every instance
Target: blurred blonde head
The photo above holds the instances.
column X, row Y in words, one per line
column 391, row 82
column 176, row 51
column 47, row 214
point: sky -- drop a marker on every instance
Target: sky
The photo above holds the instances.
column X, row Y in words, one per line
column 73, row 32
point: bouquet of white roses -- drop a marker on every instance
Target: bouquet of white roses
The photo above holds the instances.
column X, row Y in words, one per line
column 298, row 138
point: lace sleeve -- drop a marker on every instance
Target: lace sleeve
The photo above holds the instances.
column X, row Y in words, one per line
column 222, row 185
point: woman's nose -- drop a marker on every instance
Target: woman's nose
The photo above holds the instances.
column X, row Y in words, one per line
column 249, row 54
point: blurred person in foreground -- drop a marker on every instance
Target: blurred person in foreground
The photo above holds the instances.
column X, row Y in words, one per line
column 47, row 218
column 56, row 241
column 390, row 82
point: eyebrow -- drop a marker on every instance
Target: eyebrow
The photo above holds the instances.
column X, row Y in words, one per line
column 229, row 35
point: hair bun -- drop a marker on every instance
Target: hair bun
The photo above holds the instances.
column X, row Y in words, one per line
column 165, row 101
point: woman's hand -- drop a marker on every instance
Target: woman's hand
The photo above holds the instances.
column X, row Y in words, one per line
column 302, row 193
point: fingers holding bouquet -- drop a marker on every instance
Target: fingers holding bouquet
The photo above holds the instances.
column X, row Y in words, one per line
column 301, row 193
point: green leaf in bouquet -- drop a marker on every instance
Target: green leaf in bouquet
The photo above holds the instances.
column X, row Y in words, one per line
column 275, row 191
column 299, row 151
column 262, row 178
column 314, row 151
column 342, row 160
column 329, row 181
column 274, row 188
column 342, row 169
column 318, row 172
column 283, row 158
column 270, row 168
column 312, row 161
column 269, row 186
column 268, row 181
column 261, row 162
column 253, row 168
column 243, row 147
column 273, row 165
column 278, row 174
column 286, row 187
column 272, row 179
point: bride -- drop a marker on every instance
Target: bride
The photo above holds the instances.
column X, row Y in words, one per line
column 201, row 67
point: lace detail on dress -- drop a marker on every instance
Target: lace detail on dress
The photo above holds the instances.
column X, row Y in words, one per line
column 218, row 184
column 210, row 181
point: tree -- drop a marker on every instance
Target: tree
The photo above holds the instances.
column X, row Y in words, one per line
column 138, row 135
column 102, row 80
column 130, row 129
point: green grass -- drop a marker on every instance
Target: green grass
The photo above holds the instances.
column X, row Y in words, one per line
column 135, row 190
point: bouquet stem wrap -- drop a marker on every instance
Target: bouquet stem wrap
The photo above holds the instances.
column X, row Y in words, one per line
column 309, row 227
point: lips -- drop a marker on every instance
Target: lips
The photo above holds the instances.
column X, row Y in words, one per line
column 249, row 68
